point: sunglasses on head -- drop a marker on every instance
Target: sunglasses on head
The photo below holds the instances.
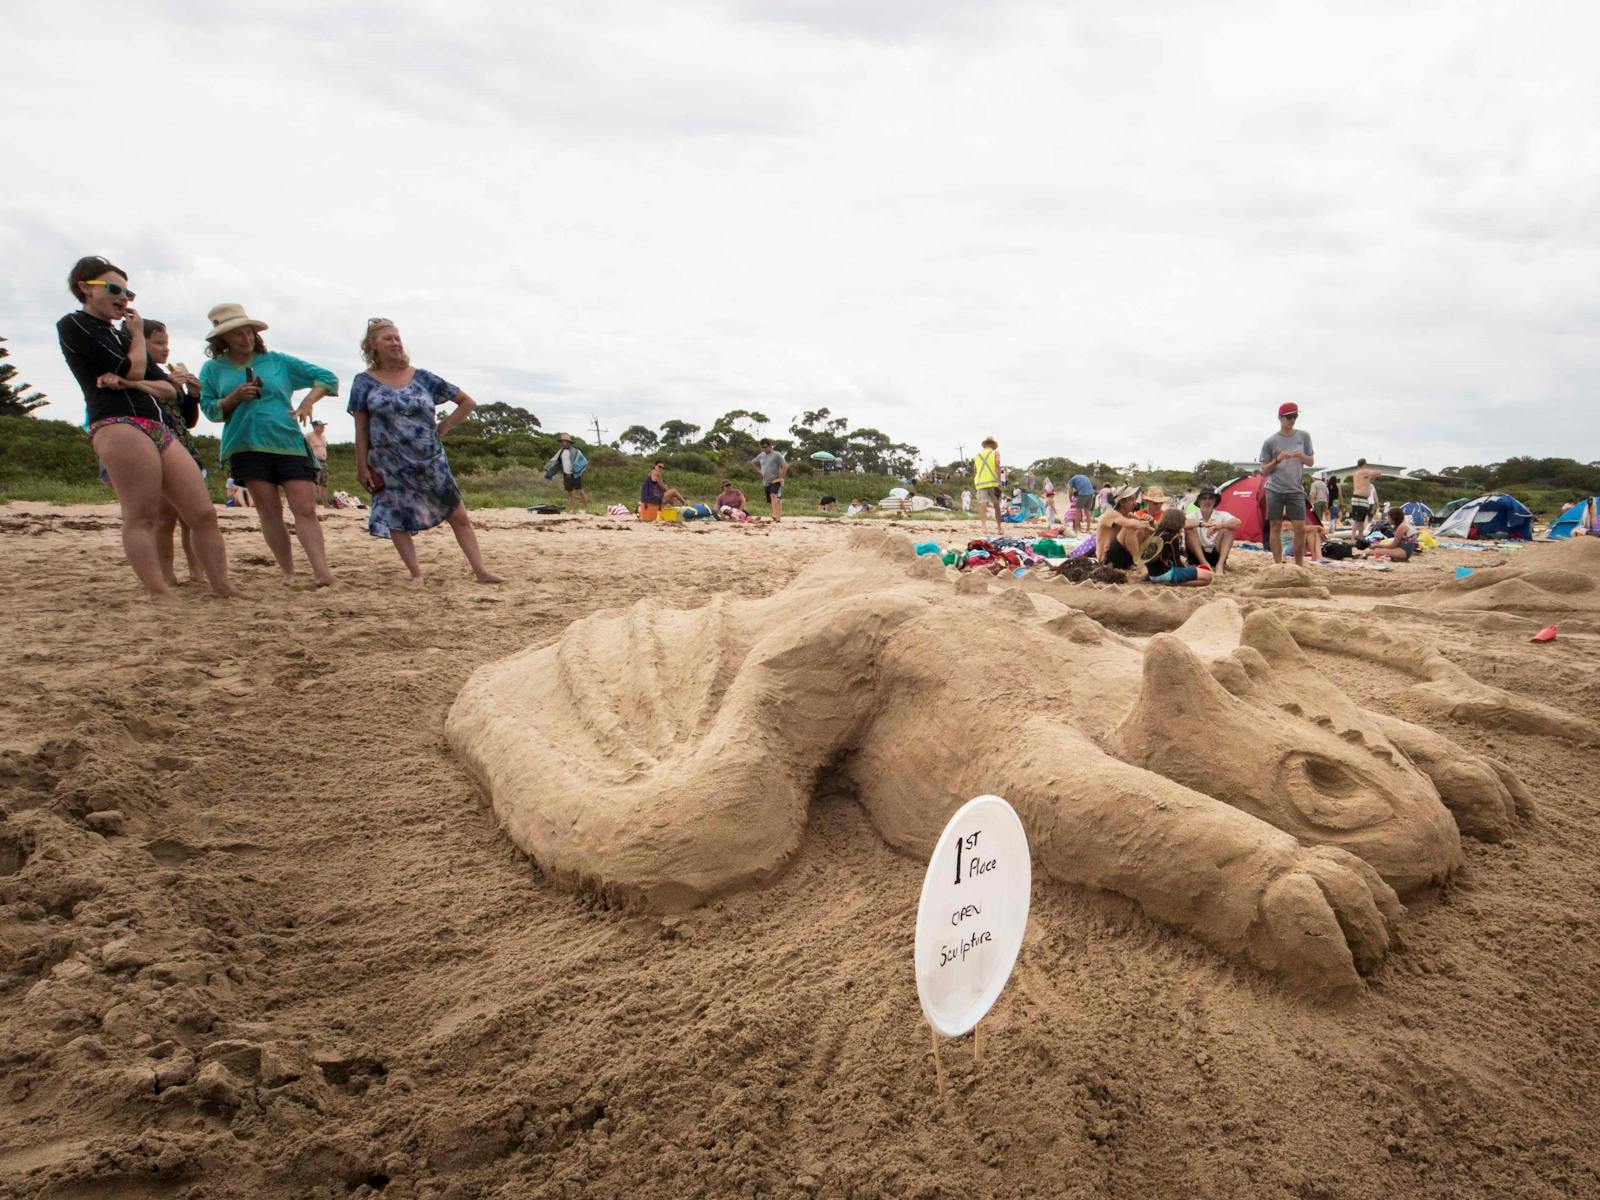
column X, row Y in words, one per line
column 374, row 322
column 112, row 289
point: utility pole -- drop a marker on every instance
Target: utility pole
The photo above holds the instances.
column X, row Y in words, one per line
column 599, row 434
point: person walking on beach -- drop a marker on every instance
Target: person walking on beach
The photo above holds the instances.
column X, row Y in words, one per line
column 987, row 477
column 774, row 470
column 122, row 394
column 1284, row 457
column 1319, row 498
column 1082, row 489
column 571, row 464
column 1361, row 496
column 400, row 458
column 250, row 390
column 318, row 441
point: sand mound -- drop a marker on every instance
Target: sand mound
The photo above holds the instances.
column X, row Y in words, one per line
column 1544, row 580
column 662, row 757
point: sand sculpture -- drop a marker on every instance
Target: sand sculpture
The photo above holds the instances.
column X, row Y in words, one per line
column 662, row 757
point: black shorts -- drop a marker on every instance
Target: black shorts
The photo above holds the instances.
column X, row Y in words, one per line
column 775, row 489
column 261, row 467
column 1213, row 555
column 1117, row 556
column 571, row 482
column 1360, row 508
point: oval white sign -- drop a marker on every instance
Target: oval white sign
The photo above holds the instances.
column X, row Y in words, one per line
column 973, row 912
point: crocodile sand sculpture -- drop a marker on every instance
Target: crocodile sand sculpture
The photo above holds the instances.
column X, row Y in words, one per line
column 662, row 757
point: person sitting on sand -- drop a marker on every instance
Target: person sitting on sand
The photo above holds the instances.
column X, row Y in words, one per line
column 1171, row 565
column 122, row 393
column 400, row 458
column 1120, row 532
column 828, row 504
column 1402, row 545
column 237, row 496
column 1212, row 531
column 652, row 492
column 250, row 390
column 730, row 502
column 1154, row 503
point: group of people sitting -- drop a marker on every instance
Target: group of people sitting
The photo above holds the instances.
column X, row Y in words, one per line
column 1191, row 544
column 1192, row 541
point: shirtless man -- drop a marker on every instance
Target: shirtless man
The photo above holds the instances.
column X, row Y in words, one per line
column 1121, row 531
column 1361, row 496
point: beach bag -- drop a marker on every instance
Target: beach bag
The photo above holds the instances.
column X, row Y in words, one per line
column 696, row 512
column 1335, row 550
column 618, row 510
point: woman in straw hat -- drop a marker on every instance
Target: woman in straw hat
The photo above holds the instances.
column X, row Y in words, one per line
column 250, row 390
column 399, row 456
column 122, row 393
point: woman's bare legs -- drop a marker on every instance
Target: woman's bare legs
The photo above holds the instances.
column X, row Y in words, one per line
column 185, row 491
column 166, row 531
column 302, row 497
column 467, row 538
column 134, row 465
column 197, row 573
column 406, row 547
column 269, row 507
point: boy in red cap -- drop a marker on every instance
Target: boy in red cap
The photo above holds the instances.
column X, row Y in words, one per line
column 1284, row 457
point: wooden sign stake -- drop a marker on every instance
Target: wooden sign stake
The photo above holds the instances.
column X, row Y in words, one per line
column 938, row 1063
column 977, row 1042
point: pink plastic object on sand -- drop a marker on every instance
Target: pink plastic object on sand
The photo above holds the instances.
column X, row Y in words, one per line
column 1547, row 634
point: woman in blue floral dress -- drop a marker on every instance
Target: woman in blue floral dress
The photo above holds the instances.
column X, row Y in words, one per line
column 399, row 457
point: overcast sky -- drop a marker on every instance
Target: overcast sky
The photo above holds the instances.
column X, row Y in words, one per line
column 1105, row 230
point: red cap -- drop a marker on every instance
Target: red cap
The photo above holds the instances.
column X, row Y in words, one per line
column 1285, row 410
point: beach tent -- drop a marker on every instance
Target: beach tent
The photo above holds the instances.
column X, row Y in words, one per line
column 1580, row 516
column 1493, row 516
column 1448, row 509
column 1418, row 513
column 1244, row 498
column 1025, row 507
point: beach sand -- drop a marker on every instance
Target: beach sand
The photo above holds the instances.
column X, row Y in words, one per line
column 304, row 961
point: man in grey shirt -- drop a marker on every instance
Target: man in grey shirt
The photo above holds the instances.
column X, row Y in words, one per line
column 773, row 468
column 1284, row 457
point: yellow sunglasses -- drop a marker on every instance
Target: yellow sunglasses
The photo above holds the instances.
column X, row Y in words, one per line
column 112, row 289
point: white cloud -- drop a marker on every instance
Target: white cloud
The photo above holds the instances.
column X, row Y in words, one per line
column 1113, row 231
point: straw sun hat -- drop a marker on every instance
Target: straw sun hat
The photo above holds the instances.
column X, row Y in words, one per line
column 227, row 317
column 1156, row 494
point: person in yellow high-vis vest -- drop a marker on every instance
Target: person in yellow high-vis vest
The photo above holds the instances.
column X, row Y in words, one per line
column 986, row 478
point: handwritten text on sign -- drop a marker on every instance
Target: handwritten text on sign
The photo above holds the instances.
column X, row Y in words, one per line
column 973, row 911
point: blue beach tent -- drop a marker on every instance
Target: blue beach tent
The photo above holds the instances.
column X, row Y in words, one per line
column 1418, row 513
column 1580, row 516
column 1493, row 516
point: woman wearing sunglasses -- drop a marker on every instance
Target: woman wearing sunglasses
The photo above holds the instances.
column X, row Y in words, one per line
column 399, row 457
column 249, row 389
column 123, row 392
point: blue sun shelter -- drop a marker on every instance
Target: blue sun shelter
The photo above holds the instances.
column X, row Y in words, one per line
column 1493, row 516
column 1580, row 516
column 1418, row 513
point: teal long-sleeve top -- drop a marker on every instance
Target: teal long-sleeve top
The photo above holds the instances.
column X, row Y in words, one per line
column 265, row 424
